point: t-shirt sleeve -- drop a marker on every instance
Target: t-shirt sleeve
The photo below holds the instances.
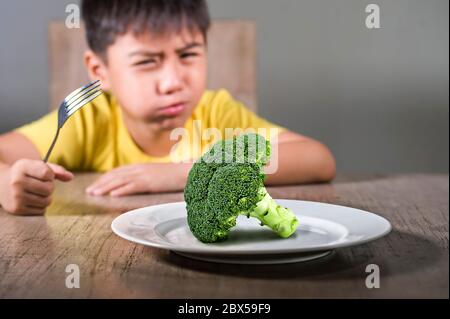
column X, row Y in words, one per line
column 68, row 150
column 226, row 113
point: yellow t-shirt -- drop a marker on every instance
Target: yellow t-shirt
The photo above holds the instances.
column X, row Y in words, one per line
column 96, row 138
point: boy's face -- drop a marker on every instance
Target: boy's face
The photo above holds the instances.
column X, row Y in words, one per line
column 158, row 80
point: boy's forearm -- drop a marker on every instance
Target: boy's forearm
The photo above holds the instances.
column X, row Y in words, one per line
column 180, row 173
column 141, row 178
column 298, row 162
column 302, row 162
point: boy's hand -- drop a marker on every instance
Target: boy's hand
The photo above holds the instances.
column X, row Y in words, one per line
column 141, row 178
column 28, row 184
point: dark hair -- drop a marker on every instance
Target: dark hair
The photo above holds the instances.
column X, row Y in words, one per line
column 106, row 19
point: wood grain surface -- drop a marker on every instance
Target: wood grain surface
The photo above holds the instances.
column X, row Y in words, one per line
column 413, row 258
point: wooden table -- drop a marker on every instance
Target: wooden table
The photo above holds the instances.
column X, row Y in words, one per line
column 413, row 258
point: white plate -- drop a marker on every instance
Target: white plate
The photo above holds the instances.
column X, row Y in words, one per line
column 259, row 259
column 322, row 228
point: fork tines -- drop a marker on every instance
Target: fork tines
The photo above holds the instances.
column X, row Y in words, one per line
column 82, row 96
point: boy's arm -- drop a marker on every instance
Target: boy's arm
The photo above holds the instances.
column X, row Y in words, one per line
column 25, row 180
column 141, row 178
column 14, row 146
column 301, row 160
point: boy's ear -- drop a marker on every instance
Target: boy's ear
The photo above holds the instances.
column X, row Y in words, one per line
column 97, row 69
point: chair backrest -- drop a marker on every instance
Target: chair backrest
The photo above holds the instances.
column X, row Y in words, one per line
column 231, row 56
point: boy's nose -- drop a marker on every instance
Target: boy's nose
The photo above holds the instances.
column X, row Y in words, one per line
column 170, row 82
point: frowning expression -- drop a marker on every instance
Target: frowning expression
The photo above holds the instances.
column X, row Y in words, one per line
column 158, row 79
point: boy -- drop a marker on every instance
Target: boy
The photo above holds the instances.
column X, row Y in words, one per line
column 151, row 59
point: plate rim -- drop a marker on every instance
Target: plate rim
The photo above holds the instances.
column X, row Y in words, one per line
column 212, row 251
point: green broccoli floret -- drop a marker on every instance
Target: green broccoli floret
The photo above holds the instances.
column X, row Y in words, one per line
column 228, row 181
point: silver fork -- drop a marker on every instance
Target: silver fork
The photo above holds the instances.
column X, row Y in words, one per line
column 72, row 103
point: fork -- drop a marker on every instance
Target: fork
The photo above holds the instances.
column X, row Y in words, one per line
column 72, row 103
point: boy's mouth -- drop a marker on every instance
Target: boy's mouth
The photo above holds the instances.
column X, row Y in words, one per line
column 172, row 110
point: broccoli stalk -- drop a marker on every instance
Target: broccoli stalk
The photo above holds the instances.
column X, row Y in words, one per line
column 280, row 219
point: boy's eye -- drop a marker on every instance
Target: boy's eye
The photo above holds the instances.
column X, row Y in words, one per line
column 145, row 62
column 188, row 55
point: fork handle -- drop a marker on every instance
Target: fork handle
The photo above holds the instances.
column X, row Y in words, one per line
column 51, row 146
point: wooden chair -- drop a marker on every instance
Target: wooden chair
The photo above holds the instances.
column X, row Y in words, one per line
column 231, row 55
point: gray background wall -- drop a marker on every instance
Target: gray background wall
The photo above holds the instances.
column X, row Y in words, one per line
column 378, row 98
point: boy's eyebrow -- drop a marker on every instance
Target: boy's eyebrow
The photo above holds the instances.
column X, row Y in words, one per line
column 144, row 52
column 189, row 46
column 151, row 54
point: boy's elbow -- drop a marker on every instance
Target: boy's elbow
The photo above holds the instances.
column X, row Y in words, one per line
column 328, row 170
column 329, row 173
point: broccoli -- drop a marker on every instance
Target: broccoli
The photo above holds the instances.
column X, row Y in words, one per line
column 228, row 181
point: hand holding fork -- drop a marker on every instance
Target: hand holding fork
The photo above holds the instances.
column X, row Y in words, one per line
column 27, row 185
